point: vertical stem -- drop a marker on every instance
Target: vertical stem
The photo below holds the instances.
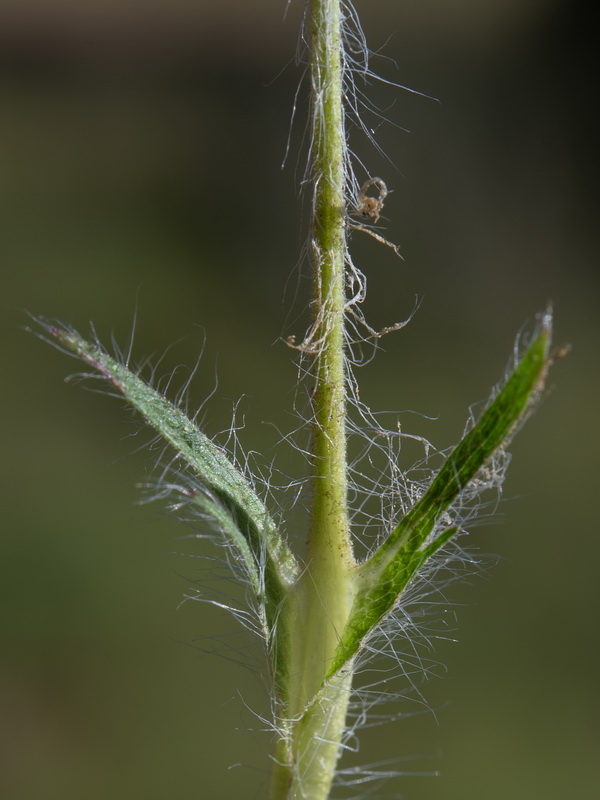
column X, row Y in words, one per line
column 329, row 531
column 313, row 710
column 329, row 548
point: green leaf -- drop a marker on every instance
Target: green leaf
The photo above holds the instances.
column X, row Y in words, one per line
column 225, row 495
column 383, row 577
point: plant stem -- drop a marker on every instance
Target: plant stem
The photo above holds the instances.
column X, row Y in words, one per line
column 315, row 709
column 329, row 537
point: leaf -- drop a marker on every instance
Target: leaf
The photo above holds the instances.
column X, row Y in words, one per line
column 383, row 577
column 225, row 496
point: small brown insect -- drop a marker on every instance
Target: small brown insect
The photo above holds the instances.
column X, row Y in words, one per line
column 369, row 206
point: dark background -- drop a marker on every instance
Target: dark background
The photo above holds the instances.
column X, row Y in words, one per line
column 140, row 154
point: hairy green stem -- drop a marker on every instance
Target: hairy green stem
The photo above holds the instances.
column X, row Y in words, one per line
column 315, row 709
column 329, row 537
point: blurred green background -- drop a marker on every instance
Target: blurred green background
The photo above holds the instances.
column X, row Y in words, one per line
column 140, row 166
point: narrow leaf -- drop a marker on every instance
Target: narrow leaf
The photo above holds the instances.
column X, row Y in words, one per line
column 385, row 575
column 225, row 496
